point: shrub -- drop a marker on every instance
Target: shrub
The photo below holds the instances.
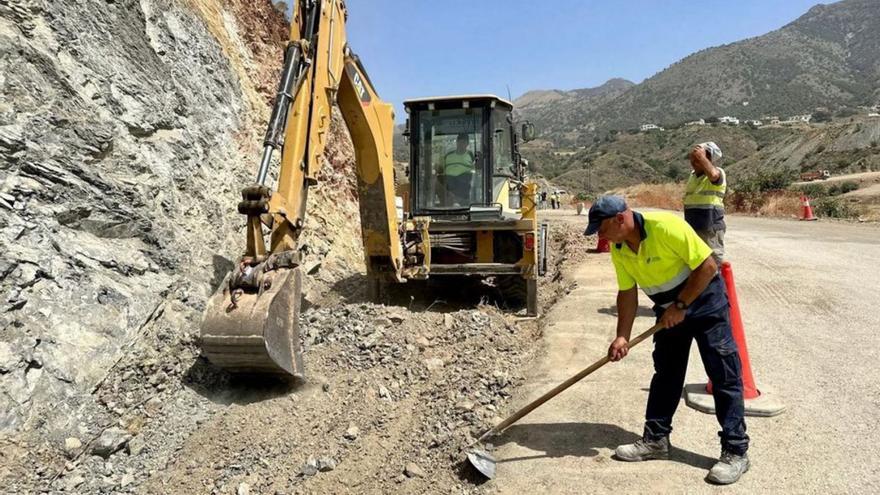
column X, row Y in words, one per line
column 834, row 208
column 766, row 181
column 675, row 173
column 812, row 190
column 655, row 163
column 821, row 116
column 848, row 186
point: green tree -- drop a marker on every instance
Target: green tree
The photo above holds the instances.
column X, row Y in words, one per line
column 821, row 116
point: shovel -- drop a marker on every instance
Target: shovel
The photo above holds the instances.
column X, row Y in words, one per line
column 483, row 462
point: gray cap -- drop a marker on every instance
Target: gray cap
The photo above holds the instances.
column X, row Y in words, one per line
column 714, row 151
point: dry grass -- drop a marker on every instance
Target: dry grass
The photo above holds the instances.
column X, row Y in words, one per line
column 668, row 196
column 780, row 204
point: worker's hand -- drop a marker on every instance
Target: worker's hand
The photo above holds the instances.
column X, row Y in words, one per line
column 618, row 349
column 672, row 317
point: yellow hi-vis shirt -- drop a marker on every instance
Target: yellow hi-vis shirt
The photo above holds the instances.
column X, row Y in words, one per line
column 704, row 201
column 456, row 163
column 668, row 252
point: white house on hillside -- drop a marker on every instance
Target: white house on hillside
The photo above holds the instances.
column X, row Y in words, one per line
column 800, row 118
column 696, row 122
column 650, row 127
column 729, row 120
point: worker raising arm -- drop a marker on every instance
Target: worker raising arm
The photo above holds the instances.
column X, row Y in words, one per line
column 704, row 197
column 662, row 254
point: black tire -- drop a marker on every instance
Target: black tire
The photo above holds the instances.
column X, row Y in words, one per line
column 514, row 290
column 519, row 292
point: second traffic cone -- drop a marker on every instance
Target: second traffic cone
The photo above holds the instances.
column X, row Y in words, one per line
column 602, row 246
column 806, row 209
column 757, row 403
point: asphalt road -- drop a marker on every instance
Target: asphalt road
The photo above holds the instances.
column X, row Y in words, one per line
column 810, row 294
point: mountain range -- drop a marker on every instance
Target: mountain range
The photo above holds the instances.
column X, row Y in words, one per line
column 828, row 58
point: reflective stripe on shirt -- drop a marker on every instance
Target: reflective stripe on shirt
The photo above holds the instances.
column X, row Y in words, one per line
column 669, row 250
column 704, row 201
column 456, row 163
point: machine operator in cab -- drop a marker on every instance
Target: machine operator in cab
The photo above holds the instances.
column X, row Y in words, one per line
column 458, row 169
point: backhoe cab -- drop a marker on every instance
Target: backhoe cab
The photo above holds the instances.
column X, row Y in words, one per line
column 467, row 182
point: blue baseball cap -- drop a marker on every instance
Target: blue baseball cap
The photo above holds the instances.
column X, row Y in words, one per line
column 605, row 207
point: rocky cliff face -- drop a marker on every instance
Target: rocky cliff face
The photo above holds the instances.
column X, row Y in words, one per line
column 127, row 128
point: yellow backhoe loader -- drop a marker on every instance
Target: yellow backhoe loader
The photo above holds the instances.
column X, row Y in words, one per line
column 467, row 209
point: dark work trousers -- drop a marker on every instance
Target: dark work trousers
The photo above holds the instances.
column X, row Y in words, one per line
column 721, row 360
column 459, row 187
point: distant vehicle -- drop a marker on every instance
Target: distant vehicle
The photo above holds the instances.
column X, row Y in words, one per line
column 815, row 175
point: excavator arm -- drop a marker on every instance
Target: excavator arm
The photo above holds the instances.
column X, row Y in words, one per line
column 251, row 323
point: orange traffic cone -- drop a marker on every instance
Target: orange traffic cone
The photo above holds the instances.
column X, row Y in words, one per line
column 806, row 209
column 750, row 391
column 602, row 246
column 757, row 403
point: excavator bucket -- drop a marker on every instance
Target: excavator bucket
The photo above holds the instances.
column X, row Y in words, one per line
column 256, row 332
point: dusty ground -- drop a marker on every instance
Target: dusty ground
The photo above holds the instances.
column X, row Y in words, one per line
column 394, row 394
column 397, row 391
column 808, row 295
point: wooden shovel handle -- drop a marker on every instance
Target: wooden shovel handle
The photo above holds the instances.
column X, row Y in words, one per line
column 513, row 418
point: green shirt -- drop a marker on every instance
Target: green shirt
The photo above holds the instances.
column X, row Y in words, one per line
column 456, row 163
column 668, row 252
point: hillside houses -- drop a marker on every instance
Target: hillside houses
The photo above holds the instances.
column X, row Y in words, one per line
column 798, row 119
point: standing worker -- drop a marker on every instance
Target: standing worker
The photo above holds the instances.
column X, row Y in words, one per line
column 704, row 197
column 554, row 200
column 660, row 253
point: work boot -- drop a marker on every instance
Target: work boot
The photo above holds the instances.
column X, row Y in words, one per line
column 729, row 468
column 643, row 450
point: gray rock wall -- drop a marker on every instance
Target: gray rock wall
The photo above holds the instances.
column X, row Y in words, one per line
column 121, row 124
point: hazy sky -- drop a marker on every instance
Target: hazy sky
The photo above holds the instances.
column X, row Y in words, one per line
column 418, row 48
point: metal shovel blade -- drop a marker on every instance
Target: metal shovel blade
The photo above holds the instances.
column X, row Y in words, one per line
column 483, row 462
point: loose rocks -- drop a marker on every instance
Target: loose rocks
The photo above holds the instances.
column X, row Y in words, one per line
column 72, row 445
column 110, row 441
column 412, row 470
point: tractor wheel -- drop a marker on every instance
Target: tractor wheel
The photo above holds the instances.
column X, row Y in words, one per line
column 513, row 289
column 518, row 292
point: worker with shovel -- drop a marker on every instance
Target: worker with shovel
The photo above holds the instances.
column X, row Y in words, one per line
column 662, row 254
